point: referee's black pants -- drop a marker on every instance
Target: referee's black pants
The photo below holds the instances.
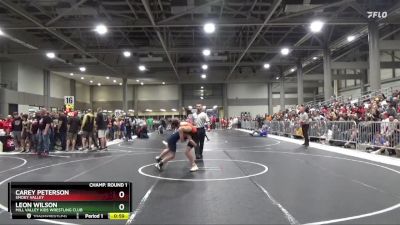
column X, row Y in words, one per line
column 304, row 129
column 200, row 136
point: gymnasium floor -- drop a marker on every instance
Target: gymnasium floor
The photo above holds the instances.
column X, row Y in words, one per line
column 243, row 180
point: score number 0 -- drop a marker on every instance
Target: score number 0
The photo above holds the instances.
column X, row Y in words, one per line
column 121, row 195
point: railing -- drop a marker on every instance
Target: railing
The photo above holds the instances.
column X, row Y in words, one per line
column 248, row 124
column 379, row 135
column 370, row 136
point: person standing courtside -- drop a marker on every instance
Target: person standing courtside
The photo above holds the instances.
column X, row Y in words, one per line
column 44, row 133
column 304, row 121
column 200, row 119
column 87, row 130
column 62, row 130
column 101, row 124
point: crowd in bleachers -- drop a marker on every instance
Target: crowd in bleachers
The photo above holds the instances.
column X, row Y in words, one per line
column 371, row 122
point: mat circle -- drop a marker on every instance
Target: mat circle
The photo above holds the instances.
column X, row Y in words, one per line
column 263, row 171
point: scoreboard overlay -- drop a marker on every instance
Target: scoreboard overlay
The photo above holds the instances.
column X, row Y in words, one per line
column 70, row 200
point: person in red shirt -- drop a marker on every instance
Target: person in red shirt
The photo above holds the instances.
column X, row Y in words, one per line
column 8, row 124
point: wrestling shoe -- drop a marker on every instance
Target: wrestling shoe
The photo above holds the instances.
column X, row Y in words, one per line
column 194, row 168
column 158, row 166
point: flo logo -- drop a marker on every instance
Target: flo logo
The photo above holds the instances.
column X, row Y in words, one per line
column 380, row 15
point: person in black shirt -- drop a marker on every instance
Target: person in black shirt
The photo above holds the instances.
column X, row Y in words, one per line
column 101, row 125
column 62, row 130
column 16, row 129
column 44, row 133
column 54, row 134
column 74, row 124
column 128, row 128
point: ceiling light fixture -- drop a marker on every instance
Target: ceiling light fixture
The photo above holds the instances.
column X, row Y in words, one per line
column 202, row 97
column 127, row 54
column 98, row 84
column 91, row 82
column 120, row 84
column 107, row 78
column 101, row 29
column 71, row 74
column 209, row 28
column 142, row 68
column 206, row 52
column 351, row 38
column 316, row 26
column 142, row 83
column 1, row 32
column 51, row 55
column 267, row 66
column 204, row 66
column 174, row 110
column 203, row 76
column 114, row 81
column 82, row 69
column 82, row 78
column 314, row 58
column 163, row 83
column 285, row 51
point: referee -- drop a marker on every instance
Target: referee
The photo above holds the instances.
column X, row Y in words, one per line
column 200, row 118
column 304, row 121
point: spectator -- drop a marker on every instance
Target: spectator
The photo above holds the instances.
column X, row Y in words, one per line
column 16, row 128
column 101, row 125
column 26, row 133
column 74, row 123
column 87, row 129
column 62, row 130
column 34, row 130
column 44, row 133
column 128, row 128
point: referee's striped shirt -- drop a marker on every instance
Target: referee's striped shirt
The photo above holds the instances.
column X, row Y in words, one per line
column 200, row 119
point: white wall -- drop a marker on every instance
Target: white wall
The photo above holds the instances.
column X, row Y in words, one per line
column 9, row 75
column 23, row 108
column 158, row 92
column 30, row 79
column 130, row 94
column 82, row 92
column 394, row 84
column 254, row 110
column 247, row 91
column 277, row 108
column 107, row 93
column 354, row 92
column 59, row 86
